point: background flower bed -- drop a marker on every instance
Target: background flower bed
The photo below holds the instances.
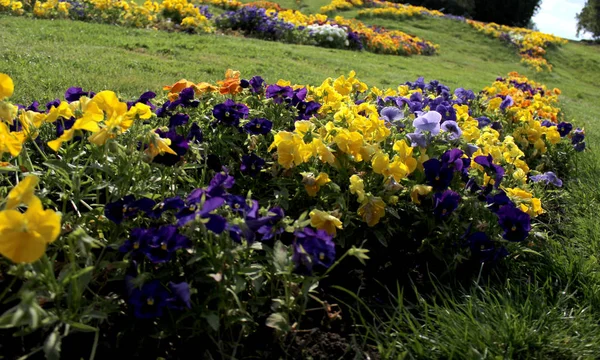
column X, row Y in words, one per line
column 355, row 143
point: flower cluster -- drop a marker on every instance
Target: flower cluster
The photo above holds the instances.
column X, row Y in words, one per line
column 380, row 8
column 531, row 44
column 169, row 14
column 222, row 205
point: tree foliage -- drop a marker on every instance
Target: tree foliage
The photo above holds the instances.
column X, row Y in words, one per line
column 588, row 20
column 506, row 12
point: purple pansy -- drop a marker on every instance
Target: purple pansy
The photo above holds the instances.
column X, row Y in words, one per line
column 279, row 93
column 515, row 223
column 548, row 178
column 313, row 247
column 451, row 127
column 251, row 164
column 497, row 172
column 258, row 126
column 429, row 121
column 230, row 113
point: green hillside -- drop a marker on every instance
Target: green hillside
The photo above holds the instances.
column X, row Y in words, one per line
column 545, row 307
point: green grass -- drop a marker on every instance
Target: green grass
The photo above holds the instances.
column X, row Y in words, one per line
column 545, row 307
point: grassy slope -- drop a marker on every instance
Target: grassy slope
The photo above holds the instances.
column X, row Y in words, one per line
column 554, row 314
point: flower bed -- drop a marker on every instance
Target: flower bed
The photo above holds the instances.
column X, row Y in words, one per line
column 294, row 27
column 178, row 15
column 532, row 45
column 218, row 210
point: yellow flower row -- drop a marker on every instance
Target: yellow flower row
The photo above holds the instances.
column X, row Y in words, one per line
column 531, row 44
column 149, row 14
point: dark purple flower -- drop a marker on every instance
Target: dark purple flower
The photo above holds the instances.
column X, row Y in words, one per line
column 483, row 121
column 515, row 223
column 164, row 243
column 265, row 227
column 484, row 249
column 496, row 201
column 53, row 103
column 257, row 83
column 178, row 120
column 143, row 99
column 138, row 242
column 578, row 136
column 417, row 139
column 497, row 172
column 496, row 125
column 313, row 248
column 307, row 109
column 180, row 296
column 251, row 164
column 34, row 107
column 230, row 113
column 548, row 178
column 220, row 183
column 547, row 123
column 438, row 175
column 299, row 96
column 244, row 83
column 195, row 134
column 579, row 147
column 178, row 144
column 279, row 93
column 174, row 203
column 258, row 126
column 62, row 125
column 213, row 222
column 185, row 99
column 74, row 93
column 452, row 128
column 127, row 208
column 564, row 128
column 506, row 103
column 445, row 203
column 148, row 301
column 454, row 159
column 238, row 204
column 471, row 149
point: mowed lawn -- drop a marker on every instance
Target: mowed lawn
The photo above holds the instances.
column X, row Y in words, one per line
column 546, row 306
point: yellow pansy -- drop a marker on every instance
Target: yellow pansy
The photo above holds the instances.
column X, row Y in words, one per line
column 325, row 221
column 22, row 193
column 24, row 236
column 7, row 87
column 7, row 112
column 158, row 145
column 357, row 187
column 10, row 141
column 418, row 191
column 313, row 184
column 372, row 210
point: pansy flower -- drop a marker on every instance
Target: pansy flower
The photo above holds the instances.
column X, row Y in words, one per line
column 256, row 84
column 279, row 93
column 451, row 127
column 74, row 93
column 484, row 249
column 445, row 203
column 164, row 242
column 138, row 241
column 195, row 134
column 564, row 128
column 313, row 248
column 178, row 120
column 143, row 99
column 127, row 207
column 515, row 223
column 429, row 121
column 258, row 126
column 185, row 99
column 496, row 170
column 230, row 113
column 417, row 139
column 178, row 144
column 149, row 301
column 251, row 164
column 548, row 177
column 438, row 175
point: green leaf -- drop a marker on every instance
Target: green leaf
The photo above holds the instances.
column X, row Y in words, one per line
column 52, row 345
column 82, row 327
column 77, row 274
column 213, row 321
column 279, row 322
column 280, row 257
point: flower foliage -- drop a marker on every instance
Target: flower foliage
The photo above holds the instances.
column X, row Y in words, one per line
column 217, row 206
